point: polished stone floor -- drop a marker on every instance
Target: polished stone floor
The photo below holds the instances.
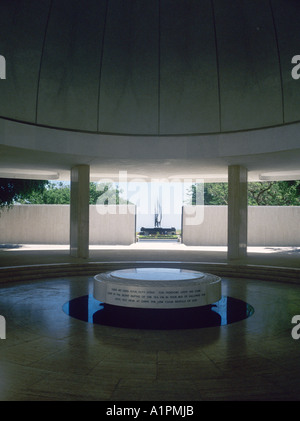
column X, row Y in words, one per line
column 48, row 355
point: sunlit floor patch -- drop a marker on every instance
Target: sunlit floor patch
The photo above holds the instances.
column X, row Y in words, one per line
column 227, row 310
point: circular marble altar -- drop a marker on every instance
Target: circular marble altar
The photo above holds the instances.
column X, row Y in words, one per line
column 157, row 288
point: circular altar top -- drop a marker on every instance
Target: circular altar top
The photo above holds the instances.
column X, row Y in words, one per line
column 157, row 274
column 156, row 277
column 157, row 288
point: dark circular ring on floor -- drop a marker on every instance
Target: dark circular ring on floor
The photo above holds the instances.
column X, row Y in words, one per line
column 227, row 310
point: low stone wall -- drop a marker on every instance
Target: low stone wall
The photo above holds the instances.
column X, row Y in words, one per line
column 267, row 226
column 50, row 224
column 204, row 225
column 113, row 225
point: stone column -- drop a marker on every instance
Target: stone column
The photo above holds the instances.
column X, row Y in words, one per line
column 237, row 212
column 79, row 211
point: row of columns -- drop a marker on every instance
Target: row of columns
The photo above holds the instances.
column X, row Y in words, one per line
column 237, row 212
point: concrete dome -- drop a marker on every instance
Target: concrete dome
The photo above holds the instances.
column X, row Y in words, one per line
column 150, row 67
column 152, row 87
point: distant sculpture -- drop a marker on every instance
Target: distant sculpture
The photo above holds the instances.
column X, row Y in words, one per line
column 158, row 215
column 157, row 230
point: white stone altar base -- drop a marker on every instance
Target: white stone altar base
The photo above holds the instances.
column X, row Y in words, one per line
column 157, row 288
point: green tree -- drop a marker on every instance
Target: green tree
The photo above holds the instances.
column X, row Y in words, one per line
column 210, row 193
column 216, row 194
column 13, row 190
column 106, row 193
column 283, row 193
column 268, row 193
column 59, row 194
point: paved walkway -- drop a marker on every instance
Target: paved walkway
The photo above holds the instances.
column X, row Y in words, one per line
column 26, row 254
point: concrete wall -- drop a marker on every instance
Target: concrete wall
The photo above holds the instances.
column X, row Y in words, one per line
column 208, row 228
column 274, row 225
column 267, row 226
column 50, row 224
column 115, row 224
column 35, row 224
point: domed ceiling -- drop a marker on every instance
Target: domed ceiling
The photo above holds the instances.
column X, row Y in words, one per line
column 172, row 87
column 149, row 67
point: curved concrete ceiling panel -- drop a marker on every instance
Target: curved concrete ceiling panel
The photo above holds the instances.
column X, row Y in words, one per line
column 150, row 67
column 22, row 33
column 129, row 81
column 249, row 71
column 70, row 66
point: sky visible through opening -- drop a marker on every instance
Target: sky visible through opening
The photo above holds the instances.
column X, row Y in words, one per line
column 146, row 195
